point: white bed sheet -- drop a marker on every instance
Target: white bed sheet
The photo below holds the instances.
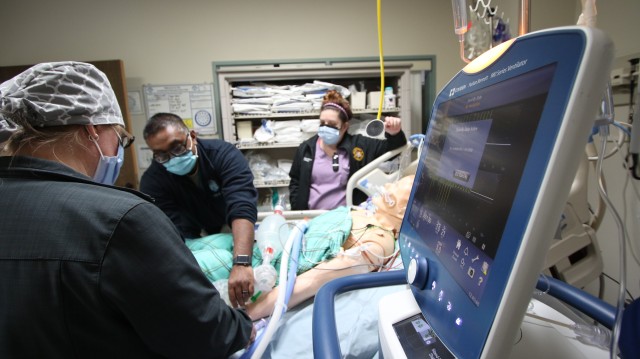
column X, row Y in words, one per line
column 356, row 320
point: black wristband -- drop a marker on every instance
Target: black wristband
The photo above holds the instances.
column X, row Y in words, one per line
column 242, row 260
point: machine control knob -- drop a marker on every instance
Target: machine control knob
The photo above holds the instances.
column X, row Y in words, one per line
column 417, row 272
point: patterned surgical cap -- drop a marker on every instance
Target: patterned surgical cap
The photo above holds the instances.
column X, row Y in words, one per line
column 58, row 94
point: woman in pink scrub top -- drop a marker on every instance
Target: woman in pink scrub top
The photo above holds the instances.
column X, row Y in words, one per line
column 323, row 164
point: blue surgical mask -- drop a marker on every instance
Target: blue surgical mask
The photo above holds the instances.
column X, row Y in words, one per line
column 181, row 165
column 108, row 167
column 329, row 135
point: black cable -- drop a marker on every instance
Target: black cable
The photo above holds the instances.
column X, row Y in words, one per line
column 633, row 157
column 614, row 280
column 601, row 286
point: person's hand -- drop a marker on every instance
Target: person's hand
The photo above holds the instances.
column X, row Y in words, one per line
column 392, row 125
column 240, row 285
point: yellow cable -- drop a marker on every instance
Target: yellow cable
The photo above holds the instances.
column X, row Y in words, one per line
column 381, row 60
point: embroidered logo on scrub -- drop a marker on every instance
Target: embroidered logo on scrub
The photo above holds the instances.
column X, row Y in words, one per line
column 213, row 186
column 358, row 153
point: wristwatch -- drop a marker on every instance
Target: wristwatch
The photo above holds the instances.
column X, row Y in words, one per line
column 242, row 260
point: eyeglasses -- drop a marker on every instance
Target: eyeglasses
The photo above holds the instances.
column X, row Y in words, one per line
column 176, row 151
column 125, row 140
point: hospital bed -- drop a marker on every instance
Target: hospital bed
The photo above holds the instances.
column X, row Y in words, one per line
column 574, row 256
column 352, row 323
column 356, row 328
column 327, row 343
column 342, row 320
column 292, row 338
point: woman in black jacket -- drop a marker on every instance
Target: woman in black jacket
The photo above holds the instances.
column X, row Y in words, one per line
column 323, row 164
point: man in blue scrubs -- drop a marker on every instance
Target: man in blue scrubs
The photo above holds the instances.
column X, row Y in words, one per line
column 203, row 185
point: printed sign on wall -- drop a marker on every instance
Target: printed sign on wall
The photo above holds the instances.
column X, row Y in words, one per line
column 193, row 102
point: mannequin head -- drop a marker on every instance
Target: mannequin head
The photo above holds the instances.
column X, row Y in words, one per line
column 392, row 204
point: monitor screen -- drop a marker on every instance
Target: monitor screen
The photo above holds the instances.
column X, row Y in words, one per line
column 476, row 152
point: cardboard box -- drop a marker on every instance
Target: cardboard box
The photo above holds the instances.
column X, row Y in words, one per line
column 373, row 99
column 244, row 129
column 620, row 76
column 358, row 100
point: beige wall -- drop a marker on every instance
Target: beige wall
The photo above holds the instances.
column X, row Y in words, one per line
column 169, row 41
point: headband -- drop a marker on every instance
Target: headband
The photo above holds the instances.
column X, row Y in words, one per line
column 335, row 105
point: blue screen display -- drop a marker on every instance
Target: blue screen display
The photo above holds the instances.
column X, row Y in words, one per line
column 475, row 154
column 463, row 150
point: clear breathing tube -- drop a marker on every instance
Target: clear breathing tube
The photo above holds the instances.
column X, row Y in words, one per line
column 382, row 192
column 604, row 132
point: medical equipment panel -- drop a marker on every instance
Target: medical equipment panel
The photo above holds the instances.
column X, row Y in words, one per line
column 501, row 151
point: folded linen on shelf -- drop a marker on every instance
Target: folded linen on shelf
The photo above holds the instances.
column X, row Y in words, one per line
column 253, row 100
column 287, row 130
column 280, row 100
column 341, row 89
column 279, row 125
column 265, row 90
column 314, row 88
column 315, row 96
column 310, row 125
column 251, row 91
column 251, row 108
column 295, row 137
column 307, row 135
column 293, row 107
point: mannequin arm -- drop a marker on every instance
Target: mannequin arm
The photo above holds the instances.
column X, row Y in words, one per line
column 308, row 283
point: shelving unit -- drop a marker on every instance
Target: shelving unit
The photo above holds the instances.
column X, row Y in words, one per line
column 410, row 77
column 295, row 115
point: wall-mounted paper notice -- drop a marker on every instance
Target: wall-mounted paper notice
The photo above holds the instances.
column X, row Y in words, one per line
column 193, row 102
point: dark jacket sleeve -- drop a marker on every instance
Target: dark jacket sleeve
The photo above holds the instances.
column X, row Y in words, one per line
column 240, row 195
column 155, row 184
column 294, row 184
column 388, row 144
column 376, row 147
column 154, row 280
column 395, row 141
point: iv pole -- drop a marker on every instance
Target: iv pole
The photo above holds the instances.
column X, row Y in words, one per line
column 524, row 18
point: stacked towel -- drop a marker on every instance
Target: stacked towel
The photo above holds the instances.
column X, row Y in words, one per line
column 264, row 99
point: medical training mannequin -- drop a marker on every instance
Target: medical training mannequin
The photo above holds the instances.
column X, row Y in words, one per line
column 368, row 247
column 87, row 269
